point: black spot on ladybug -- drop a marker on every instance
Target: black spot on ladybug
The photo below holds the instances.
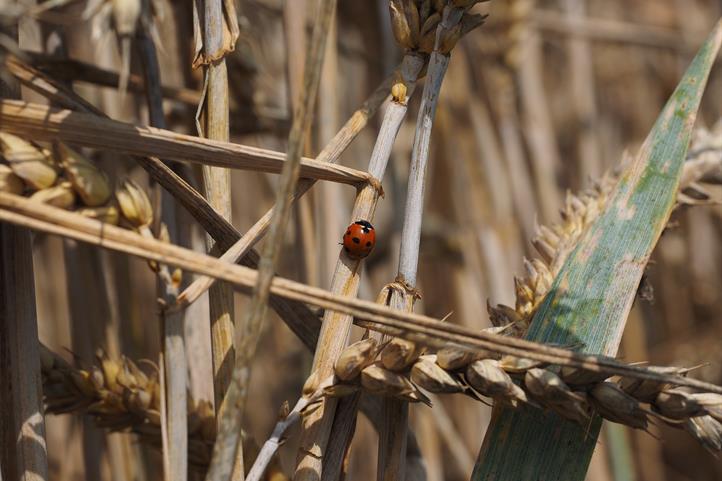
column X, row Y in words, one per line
column 368, row 244
column 346, row 249
column 356, row 240
column 348, row 232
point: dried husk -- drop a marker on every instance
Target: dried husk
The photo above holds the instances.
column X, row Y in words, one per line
column 61, row 195
column 518, row 365
column 646, row 390
column 413, row 20
column 466, row 3
column 546, row 385
column 712, row 404
column 707, row 431
column 377, row 380
column 398, row 354
column 617, row 406
column 553, row 393
column 488, row 378
column 452, row 358
column 89, row 182
column 341, row 390
column 677, row 404
column 29, row 162
column 427, row 374
column 108, row 215
column 134, row 204
column 400, row 24
column 9, row 182
column 355, row 358
column 582, row 377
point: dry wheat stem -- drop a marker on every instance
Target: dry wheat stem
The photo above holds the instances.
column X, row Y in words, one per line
column 343, row 417
column 213, row 107
column 418, row 328
column 175, row 422
column 393, row 434
column 296, row 315
column 40, row 122
column 345, row 281
column 269, row 448
column 229, row 434
column 331, row 153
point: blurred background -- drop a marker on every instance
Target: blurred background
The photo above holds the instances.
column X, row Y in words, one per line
column 542, row 99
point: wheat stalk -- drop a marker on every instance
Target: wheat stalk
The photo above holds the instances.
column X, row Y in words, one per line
column 346, row 277
column 47, row 123
column 228, row 438
column 415, row 327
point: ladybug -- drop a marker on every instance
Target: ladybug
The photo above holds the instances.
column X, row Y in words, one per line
column 359, row 239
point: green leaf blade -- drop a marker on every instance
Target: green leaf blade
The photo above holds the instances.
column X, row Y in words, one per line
column 590, row 299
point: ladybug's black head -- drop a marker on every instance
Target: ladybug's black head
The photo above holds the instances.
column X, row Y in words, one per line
column 365, row 224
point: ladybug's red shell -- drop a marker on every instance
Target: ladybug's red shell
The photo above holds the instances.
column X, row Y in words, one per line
column 359, row 239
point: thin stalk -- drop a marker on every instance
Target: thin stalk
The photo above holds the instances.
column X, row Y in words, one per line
column 243, row 119
column 217, row 186
column 46, row 123
column 23, row 453
column 175, row 366
column 345, row 281
column 23, row 450
column 394, row 428
column 304, row 256
column 229, row 436
column 415, row 327
column 331, row 154
column 269, row 448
